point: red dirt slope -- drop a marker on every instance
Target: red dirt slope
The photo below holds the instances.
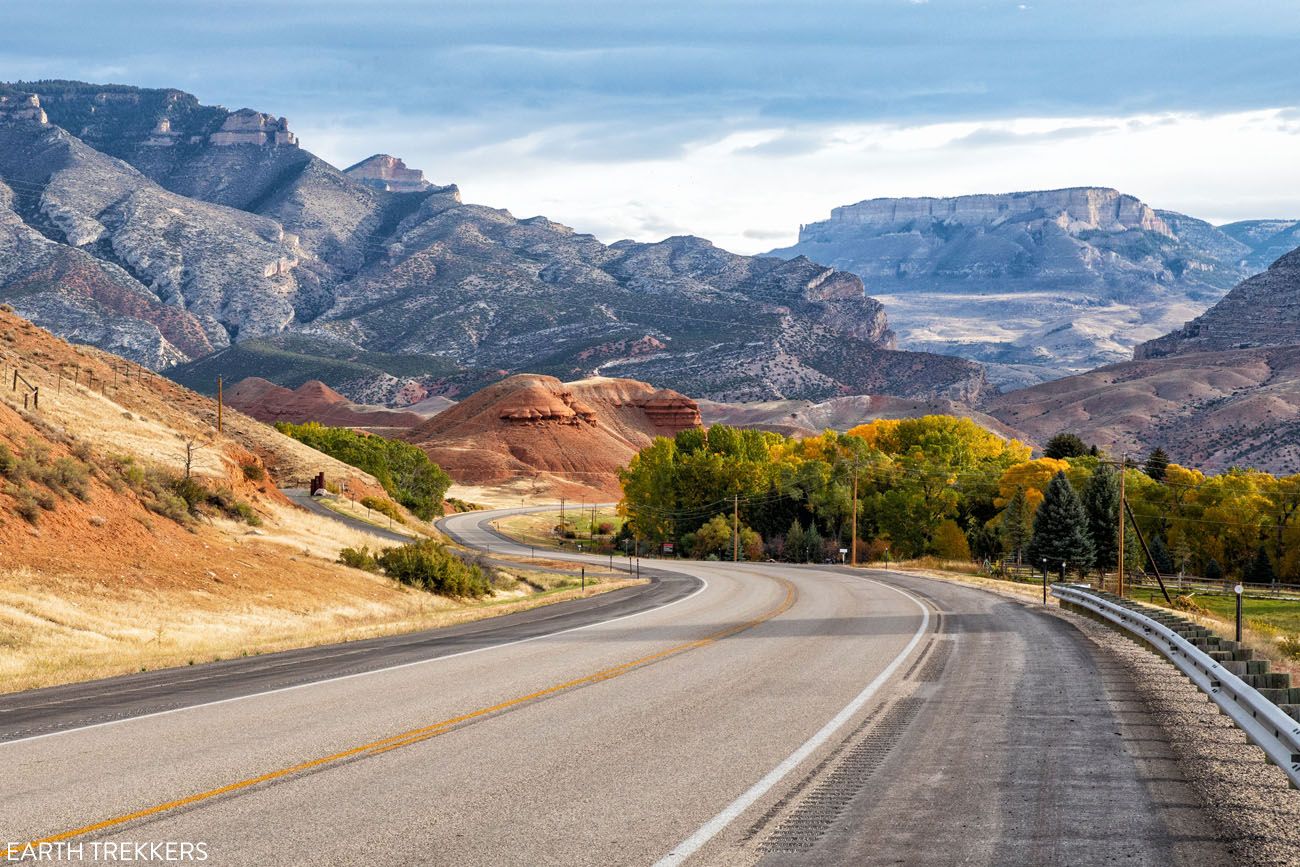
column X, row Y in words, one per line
column 551, row 437
column 312, row 401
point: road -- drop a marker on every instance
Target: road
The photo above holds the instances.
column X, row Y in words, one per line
column 769, row 713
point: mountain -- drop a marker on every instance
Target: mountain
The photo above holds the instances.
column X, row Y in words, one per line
column 1268, row 240
column 1210, row 410
column 1263, row 310
column 1037, row 284
column 177, row 234
column 314, row 401
column 536, row 435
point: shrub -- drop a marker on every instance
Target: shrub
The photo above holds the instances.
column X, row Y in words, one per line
column 428, row 565
column 71, row 475
column 8, row 463
column 27, row 507
column 253, row 472
column 359, row 558
column 383, row 507
column 45, row 500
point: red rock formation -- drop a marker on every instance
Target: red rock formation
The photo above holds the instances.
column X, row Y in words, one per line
column 559, row 438
column 313, row 401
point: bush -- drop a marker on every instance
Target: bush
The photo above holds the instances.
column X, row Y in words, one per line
column 359, row 558
column 71, row 475
column 428, row 565
column 253, row 472
column 27, row 507
column 8, row 463
column 383, row 507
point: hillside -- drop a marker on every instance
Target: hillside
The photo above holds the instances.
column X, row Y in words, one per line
column 107, row 569
column 1263, row 310
column 1210, row 410
column 167, row 231
column 1036, row 285
column 314, row 401
column 534, row 436
column 805, row 417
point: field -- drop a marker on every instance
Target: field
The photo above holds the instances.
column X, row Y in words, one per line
column 538, row 528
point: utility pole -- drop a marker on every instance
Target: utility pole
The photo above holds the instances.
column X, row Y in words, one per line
column 219, row 402
column 735, row 529
column 1123, row 464
column 561, row 516
column 853, row 538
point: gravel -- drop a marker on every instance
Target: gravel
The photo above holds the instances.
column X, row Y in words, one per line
column 1249, row 799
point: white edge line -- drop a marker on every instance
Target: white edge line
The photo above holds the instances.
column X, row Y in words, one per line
column 692, row 844
column 704, row 585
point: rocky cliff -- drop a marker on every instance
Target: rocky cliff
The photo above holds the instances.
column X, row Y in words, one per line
column 1263, row 310
column 193, row 230
column 1034, row 284
column 388, row 173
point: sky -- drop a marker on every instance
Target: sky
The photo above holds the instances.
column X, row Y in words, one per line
column 735, row 121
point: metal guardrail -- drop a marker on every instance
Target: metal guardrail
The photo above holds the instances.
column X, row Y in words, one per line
column 1264, row 723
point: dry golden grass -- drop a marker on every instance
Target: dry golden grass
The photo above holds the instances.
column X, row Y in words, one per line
column 60, row 629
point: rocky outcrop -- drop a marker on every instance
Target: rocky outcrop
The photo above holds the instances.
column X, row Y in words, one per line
column 248, row 127
column 1261, row 311
column 388, row 173
column 1033, row 285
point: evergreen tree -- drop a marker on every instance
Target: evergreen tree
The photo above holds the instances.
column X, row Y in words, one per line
column 1065, row 445
column 1101, row 501
column 1061, row 528
column 814, row 546
column 795, row 544
column 1157, row 463
column 1213, row 571
column 1016, row 524
column 1160, row 553
column 1260, row 569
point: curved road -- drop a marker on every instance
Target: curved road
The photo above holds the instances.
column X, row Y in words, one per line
column 771, row 714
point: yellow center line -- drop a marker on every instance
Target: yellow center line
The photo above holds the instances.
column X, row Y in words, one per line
column 424, row 733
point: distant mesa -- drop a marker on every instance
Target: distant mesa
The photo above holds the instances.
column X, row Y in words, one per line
column 541, row 436
column 1074, row 210
column 314, row 401
column 388, row 173
column 1034, row 285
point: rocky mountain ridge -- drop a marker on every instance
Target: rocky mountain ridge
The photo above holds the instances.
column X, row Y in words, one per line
column 190, row 228
column 1034, row 284
column 1263, row 310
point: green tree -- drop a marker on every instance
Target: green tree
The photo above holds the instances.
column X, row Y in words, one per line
column 1017, row 524
column 1260, row 569
column 1101, row 501
column 795, row 546
column 1213, row 571
column 1156, row 465
column 1065, row 445
column 1160, row 554
column 1061, row 528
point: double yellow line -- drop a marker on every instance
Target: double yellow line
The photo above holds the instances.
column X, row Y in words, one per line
column 415, row 736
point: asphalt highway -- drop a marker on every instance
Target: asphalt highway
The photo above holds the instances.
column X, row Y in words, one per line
column 755, row 712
